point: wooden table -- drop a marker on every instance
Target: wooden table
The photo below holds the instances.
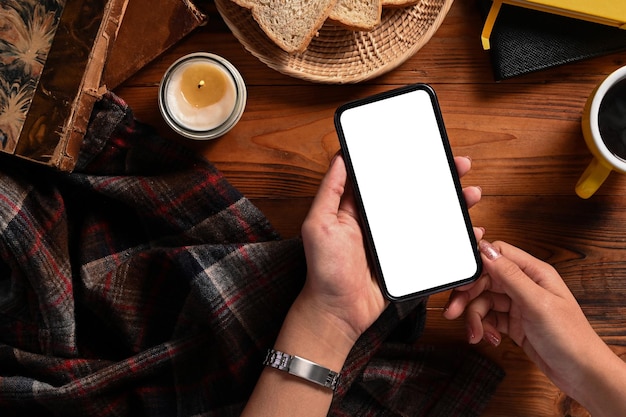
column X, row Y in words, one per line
column 525, row 140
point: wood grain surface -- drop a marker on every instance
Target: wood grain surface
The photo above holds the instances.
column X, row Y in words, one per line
column 523, row 135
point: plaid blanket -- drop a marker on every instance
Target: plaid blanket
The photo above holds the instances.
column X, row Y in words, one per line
column 144, row 284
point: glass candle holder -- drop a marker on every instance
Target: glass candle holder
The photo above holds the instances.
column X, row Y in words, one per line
column 202, row 96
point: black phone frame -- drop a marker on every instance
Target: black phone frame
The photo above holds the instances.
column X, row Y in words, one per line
column 370, row 246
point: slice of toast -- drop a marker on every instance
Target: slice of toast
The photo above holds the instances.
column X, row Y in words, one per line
column 358, row 14
column 290, row 24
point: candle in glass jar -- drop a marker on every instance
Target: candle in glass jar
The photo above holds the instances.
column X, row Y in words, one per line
column 202, row 96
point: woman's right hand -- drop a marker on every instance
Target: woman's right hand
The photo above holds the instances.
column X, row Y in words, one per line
column 527, row 299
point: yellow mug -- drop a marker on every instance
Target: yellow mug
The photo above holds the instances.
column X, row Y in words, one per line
column 604, row 130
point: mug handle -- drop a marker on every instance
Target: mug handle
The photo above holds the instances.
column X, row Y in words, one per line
column 592, row 178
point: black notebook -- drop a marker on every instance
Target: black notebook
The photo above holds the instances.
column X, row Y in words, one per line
column 525, row 40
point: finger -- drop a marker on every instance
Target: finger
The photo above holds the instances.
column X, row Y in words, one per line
column 484, row 329
column 482, row 317
column 479, row 232
column 499, row 323
column 540, row 272
column 460, row 299
column 463, row 164
column 462, row 296
column 489, row 302
column 331, row 189
column 457, row 301
column 491, row 333
column 348, row 201
column 472, row 195
column 474, row 324
column 506, row 275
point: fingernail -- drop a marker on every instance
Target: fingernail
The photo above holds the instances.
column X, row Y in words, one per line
column 492, row 339
column 488, row 250
column 482, row 229
column 470, row 336
column 468, row 157
column 479, row 188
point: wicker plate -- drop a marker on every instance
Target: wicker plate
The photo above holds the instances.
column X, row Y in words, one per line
column 337, row 55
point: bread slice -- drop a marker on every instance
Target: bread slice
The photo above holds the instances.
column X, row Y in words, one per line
column 357, row 14
column 290, row 24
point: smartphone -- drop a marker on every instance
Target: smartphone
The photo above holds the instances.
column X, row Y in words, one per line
column 416, row 223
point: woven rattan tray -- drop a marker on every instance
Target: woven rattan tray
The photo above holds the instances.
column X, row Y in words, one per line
column 338, row 55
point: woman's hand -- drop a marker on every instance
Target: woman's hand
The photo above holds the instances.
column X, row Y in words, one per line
column 527, row 299
column 339, row 301
column 339, row 280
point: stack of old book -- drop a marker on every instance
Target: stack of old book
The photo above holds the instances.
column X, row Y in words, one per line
column 524, row 36
column 58, row 58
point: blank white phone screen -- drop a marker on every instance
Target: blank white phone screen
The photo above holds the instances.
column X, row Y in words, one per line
column 420, row 236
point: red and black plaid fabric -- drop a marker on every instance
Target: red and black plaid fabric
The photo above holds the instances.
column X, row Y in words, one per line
column 144, row 284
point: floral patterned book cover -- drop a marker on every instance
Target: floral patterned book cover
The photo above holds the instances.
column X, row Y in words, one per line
column 52, row 54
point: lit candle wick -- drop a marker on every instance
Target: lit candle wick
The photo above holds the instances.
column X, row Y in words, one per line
column 203, row 85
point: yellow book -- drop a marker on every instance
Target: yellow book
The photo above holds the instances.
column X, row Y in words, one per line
column 606, row 12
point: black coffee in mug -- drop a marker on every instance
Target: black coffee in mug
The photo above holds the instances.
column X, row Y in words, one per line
column 612, row 119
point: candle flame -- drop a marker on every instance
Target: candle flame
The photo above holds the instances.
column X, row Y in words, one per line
column 201, row 84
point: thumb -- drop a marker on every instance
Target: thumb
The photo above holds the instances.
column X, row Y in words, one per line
column 331, row 189
column 508, row 275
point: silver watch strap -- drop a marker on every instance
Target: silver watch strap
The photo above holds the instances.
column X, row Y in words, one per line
column 302, row 368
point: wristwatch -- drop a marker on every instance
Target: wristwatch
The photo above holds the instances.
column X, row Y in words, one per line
column 302, row 368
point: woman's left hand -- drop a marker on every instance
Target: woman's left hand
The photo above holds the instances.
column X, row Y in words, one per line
column 340, row 283
column 339, row 301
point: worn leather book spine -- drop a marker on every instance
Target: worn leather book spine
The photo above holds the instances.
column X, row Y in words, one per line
column 53, row 120
column 91, row 87
column 146, row 32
